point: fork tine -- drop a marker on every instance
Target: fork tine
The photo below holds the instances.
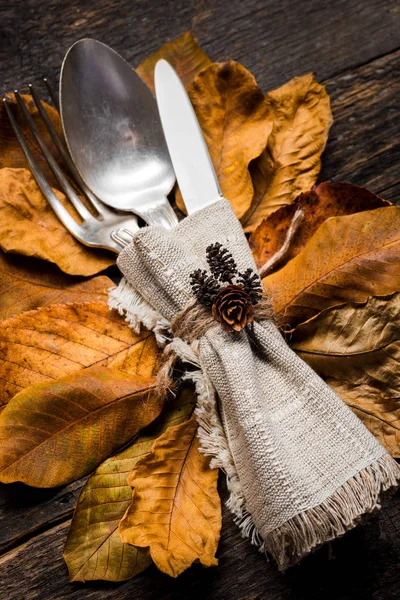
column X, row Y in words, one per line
column 54, row 98
column 62, row 149
column 62, row 180
column 61, row 212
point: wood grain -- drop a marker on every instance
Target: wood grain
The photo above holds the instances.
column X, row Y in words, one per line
column 276, row 41
column 364, row 143
column 353, row 46
column 362, row 565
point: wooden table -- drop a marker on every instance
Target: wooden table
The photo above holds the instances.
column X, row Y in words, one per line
column 353, row 47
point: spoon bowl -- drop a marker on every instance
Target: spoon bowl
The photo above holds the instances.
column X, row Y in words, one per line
column 114, row 134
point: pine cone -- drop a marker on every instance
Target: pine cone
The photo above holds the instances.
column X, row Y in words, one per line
column 232, row 308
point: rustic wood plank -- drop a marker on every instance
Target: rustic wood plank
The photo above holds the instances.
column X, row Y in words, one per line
column 364, row 565
column 364, row 142
column 275, row 41
column 26, row 511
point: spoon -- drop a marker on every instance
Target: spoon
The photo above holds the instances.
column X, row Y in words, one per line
column 114, row 134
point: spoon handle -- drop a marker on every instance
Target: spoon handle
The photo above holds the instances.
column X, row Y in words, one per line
column 159, row 213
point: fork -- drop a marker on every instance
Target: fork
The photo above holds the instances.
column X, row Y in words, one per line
column 105, row 227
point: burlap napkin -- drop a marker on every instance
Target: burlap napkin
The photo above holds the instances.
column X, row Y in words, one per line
column 301, row 467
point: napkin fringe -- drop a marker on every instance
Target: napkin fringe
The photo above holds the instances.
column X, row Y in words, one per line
column 137, row 312
column 340, row 512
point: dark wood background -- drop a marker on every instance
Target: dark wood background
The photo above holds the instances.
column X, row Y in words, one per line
column 354, row 47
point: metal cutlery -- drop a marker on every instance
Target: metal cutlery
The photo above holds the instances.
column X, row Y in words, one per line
column 188, row 151
column 113, row 132
column 100, row 227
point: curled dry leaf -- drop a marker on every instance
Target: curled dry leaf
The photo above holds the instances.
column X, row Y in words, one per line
column 56, row 432
column 348, row 259
column 27, row 284
column 94, row 549
column 184, row 54
column 175, row 509
column 11, row 154
column 356, row 348
column 29, row 226
column 302, row 117
column 322, row 202
column 62, row 339
column 236, row 123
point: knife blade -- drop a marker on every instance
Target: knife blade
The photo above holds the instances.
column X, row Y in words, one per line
column 187, row 148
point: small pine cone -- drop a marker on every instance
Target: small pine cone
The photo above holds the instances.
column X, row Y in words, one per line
column 232, row 308
column 204, row 287
column 251, row 283
column 221, row 262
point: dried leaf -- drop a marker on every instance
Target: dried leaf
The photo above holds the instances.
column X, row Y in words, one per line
column 56, row 432
column 94, row 549
column 348, row 259
column 184, row 54
column 380, row 415
column 27, row 284
column 356, row 348
column 236, row 123
column 322, row 202
column 175, row 510
column 290, row 165
column 62, row 339
column 29, row 226
column 356, row 343
column 11, row 154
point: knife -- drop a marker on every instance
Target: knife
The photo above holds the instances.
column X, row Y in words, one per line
column 187, row 148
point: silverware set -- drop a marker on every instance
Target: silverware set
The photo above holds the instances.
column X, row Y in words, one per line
column 114, row 147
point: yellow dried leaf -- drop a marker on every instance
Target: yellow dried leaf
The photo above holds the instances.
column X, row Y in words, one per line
column 184, row 54
column 27, row 284
column 348, row 259
column 236, row 123
column 56, row 432
column 53, row 342
column 302, row 117
column 175, row 509
column 29, row 226
column 94, row 549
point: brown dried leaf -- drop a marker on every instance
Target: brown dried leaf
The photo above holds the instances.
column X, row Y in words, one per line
column 27, row 284
column 356, row 348
column 94, row 549
column 29, row 226
column 348, row 259
column 184, row 54
column 380, row 415
column 60, row 340
column 302, row 117
column 56, row 432
column 236, row 123
column 175, row 509
column 356, row 343
column 322, row 202
column 11, row 154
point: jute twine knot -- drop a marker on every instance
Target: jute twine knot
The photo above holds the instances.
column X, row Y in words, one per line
column 191, row 324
